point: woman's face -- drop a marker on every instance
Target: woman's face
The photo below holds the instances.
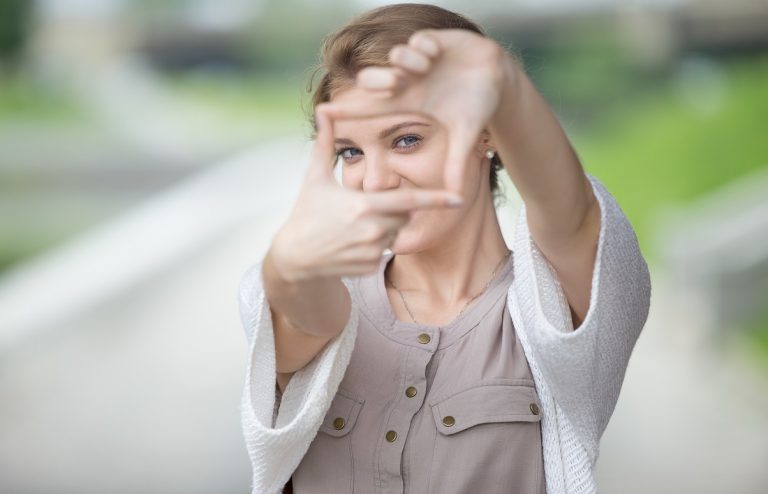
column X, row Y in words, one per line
column 405, row 151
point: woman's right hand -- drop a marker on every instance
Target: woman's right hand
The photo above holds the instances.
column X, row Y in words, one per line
column 333, row 231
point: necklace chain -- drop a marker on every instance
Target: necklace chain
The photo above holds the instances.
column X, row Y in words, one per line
column 493, row 275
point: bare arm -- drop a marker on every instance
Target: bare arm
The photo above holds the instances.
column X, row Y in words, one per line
column 562, row 212
column 306, row 315
column 332, row 232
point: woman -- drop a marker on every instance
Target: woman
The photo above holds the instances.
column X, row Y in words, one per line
column 447, row 364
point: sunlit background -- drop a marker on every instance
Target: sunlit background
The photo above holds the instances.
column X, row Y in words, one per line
column 149, row 149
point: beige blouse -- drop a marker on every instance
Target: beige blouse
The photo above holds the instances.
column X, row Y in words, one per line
column 428, row 409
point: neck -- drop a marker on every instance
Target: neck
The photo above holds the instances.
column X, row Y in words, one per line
column 455, row 270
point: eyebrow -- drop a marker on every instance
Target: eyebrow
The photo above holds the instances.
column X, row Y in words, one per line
column 386, row 132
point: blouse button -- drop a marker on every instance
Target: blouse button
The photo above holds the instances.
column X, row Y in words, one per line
column 338, row 423
column 424, row 338
column 391, row 436
column 410, row 392
column 448, row 420
column 534, row 408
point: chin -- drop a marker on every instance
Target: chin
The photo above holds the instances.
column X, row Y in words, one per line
column 408, row 243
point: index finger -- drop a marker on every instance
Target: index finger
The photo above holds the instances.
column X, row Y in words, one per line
column 404, row 200
column 372, row 104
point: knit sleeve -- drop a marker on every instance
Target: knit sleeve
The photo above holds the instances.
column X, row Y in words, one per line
column 584, row 367
column 277, row 435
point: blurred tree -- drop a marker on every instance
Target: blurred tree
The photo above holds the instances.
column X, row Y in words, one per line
column 287, row 35
column 14, row 29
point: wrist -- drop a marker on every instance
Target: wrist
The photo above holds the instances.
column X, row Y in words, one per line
column 285, row 270
column 511, row 74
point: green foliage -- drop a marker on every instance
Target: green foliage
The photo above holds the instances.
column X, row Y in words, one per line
column 582, row 67
column 22, row 98
column 754, row 338
column 14, row 27
column 288, row 34
column 760, row 334
column 682, row 141
column 277, row 99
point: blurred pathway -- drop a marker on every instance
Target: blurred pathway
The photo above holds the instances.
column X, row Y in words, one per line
column 691, row 418
column 122, row 365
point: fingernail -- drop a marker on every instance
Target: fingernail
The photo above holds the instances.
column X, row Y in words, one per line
column 455, row 200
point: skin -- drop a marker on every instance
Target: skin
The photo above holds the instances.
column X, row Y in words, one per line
column 475, row 97
column 479, row 86
column 448, row 254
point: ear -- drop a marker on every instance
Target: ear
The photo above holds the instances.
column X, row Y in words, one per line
column 485, row 141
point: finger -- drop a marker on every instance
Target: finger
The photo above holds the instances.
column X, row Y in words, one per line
column 392, row 224
column 425, row 43
column 462, row 143
column 400, row 201
column 323, row 155
column 409, row 59
column 360, row 108
column 380, row 78
column 388, row 242
column 380, row 93
column 360, row 254
column 387, row 93
column 380, row 229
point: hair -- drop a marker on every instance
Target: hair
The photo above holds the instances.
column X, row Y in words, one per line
column 366, row 41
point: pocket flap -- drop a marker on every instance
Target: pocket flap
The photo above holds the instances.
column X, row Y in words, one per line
column 486, row 403
column 342, row 414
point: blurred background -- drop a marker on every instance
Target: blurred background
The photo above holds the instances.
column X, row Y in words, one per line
column 150, row 148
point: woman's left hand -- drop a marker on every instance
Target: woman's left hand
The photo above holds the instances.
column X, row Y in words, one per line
column 454, row 76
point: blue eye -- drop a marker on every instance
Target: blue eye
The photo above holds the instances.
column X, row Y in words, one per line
column 344, row 153
column 409, row 140
column 406, row 142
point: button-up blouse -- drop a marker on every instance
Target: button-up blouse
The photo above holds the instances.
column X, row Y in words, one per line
column 379, row 396
column 430, row 409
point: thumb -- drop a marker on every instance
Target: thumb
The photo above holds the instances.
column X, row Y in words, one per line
column 323, row 155
column 459, row 150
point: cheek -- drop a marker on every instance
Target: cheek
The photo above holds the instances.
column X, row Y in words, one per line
column 431, row 170
column 424, row 168
column 351, row 177
column 433, row 221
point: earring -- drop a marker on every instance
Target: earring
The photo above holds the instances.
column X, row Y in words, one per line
column 490, row 154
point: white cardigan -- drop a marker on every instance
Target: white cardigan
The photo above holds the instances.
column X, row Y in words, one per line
column 578, row 374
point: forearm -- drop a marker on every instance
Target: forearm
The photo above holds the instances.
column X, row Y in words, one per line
column 561, row 210
column 538, row 156
column 318, row 306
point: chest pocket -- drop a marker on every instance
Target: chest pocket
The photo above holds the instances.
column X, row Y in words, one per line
column 328, row 465
column 488, row 434
column 516, row 401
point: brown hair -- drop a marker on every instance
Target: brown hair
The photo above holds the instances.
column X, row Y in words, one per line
column 366, row 41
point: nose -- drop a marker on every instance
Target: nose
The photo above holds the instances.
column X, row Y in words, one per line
column 379, row 175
